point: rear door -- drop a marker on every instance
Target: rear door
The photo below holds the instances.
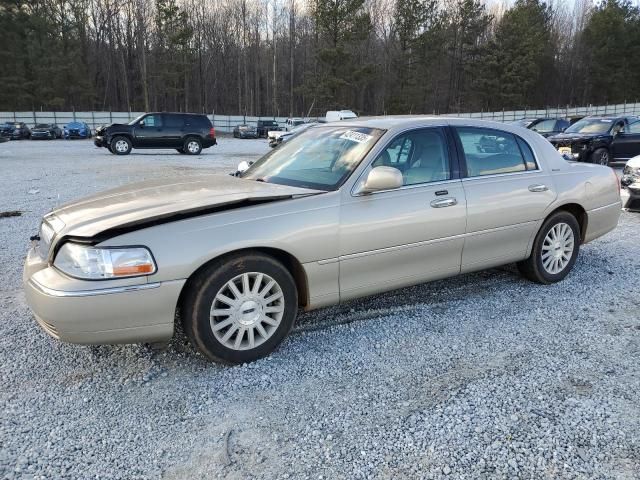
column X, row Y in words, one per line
column 626, row 144
column 394, row 238
column 507, row 193
column 173, row 130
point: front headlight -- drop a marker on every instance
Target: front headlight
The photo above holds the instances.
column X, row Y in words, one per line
column 95, row 263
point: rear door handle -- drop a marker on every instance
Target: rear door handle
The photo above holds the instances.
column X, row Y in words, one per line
column 444, row 202
column 538, row 188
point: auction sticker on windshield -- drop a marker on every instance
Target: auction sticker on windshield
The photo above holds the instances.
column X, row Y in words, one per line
column 356, row 136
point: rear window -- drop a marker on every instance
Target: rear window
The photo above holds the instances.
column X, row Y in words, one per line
column 492, row 152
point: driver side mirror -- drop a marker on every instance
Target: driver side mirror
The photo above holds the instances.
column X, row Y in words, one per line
column 381, row 178
column 141, row 123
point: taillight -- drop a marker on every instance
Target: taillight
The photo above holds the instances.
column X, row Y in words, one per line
column 618, row 180
column 212, row 132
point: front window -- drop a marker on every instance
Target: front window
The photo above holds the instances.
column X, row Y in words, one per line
column 152, row 121
column 320, row 158
column 42, row 125
column 420, row 155
column 591, row 125
column 634, row 127
column 544, row 126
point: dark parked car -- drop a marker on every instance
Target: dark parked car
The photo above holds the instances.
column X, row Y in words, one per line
column 188, row 133
column 245, row 131
column 77, row 130
column 15, row 130
column 266, row 126
column 601, row 139
column 47, row 131
column 544, row 126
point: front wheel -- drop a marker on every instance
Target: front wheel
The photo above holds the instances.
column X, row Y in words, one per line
column 555, row 250
column 192, row 146
column 600, row 156
column 121, row 146
column 240, row 309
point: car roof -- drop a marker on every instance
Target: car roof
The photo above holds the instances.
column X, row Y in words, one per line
column 177, row 113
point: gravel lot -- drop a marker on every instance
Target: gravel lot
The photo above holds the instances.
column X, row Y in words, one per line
column 481, row 376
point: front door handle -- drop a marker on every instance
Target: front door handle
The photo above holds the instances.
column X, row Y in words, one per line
column 444, row 202
column 538, row 188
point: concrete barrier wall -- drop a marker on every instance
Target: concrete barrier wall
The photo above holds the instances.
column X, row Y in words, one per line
column 226, row 123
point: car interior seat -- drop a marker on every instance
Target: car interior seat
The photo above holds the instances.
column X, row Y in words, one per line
column 428, row 163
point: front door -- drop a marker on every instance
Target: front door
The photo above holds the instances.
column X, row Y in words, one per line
column 149, row 132
column 626, row 144
column 394, row 238
column 507, row 194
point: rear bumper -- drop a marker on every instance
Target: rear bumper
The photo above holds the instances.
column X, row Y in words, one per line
column 209, row 142
column 83, row 312
column 602, row 220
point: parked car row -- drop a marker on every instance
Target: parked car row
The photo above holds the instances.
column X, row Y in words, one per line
column 44, row 131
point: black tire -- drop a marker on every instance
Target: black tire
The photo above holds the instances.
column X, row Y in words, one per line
column 192, row 146
column 600, row 156
column 533, row 267
column 201, row 292
column 109, row 148
column 117, row 142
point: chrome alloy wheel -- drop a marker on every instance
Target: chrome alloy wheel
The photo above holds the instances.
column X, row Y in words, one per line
column 604, row 158
column 122, row 146
column 247, row 311
column 193, row 146
column 557, row 248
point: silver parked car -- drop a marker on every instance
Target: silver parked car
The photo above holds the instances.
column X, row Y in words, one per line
column 341, row 211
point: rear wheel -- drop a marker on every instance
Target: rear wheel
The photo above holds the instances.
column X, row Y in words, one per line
column 240, row 308
column 555, row 249
column 600, row 156
column 120, row 146
column 192, row 146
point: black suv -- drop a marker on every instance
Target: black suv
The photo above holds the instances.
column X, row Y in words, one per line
column 599, row 139
column 188, row 133
column 266, row 126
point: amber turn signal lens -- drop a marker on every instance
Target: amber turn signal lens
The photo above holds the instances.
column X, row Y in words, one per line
column 133, row 270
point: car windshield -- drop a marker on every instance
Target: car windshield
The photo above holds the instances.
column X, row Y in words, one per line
column 42, row 125
column 136, row 120
column 320, row 158
column 524, row 122
column 591, row 125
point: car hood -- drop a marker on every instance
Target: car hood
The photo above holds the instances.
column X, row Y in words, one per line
column 152, row 202
column 575, row 137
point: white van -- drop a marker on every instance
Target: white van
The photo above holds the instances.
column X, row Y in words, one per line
column 335, row 115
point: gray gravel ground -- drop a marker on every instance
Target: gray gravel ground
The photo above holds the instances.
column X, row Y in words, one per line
column 481, row 376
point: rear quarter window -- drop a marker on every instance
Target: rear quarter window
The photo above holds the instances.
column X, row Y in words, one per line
column 198, row 121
